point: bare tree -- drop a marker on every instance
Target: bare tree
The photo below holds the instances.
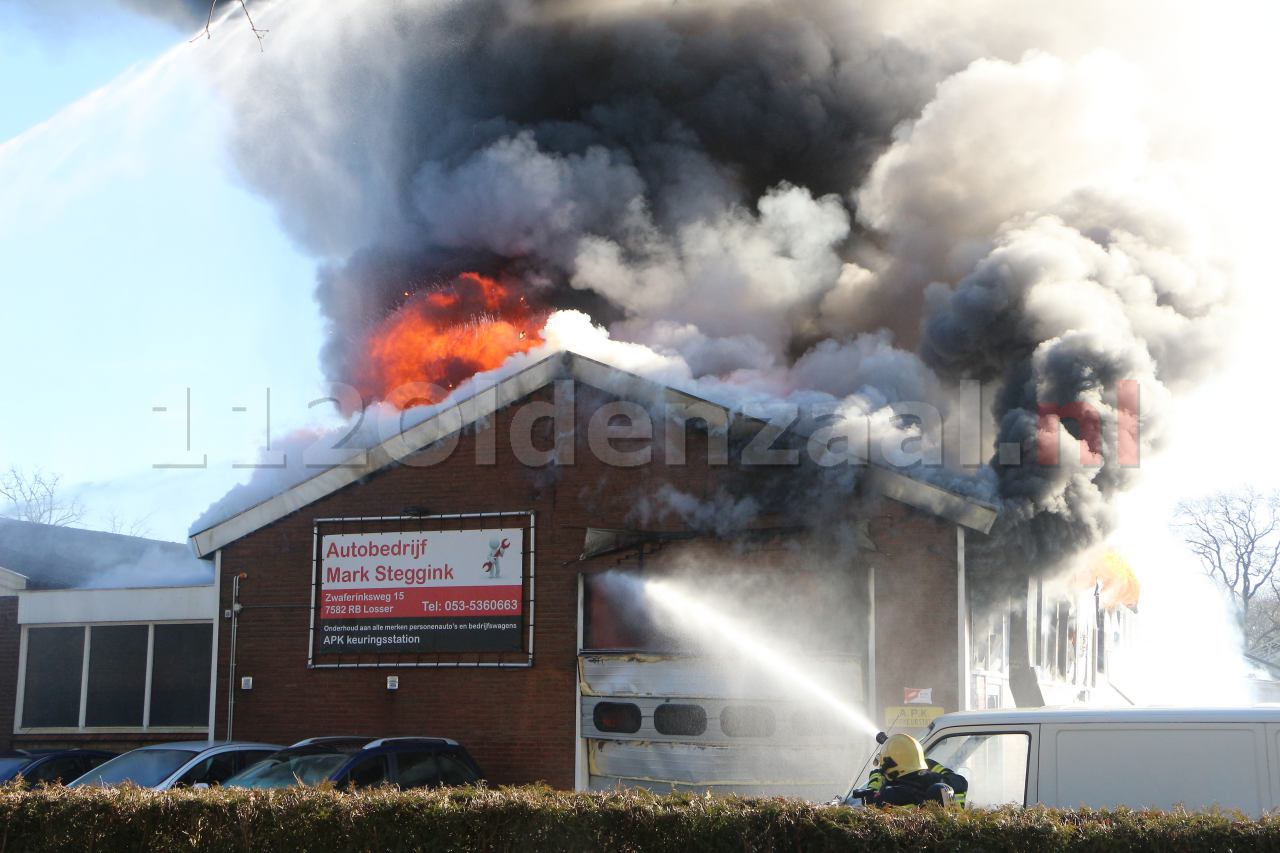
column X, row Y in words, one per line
column 258, row 32
column 116, row 523
column 34, row 496
column 1236, row 535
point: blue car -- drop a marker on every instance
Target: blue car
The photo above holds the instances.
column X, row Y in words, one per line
column 407, row 762
column 51, row 766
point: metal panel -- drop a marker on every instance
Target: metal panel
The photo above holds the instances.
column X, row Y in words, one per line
column 670, row 676
column 817, row 792
column 796, row 723
column 705, row 764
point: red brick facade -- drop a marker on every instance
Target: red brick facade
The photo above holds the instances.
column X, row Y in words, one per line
column 520, row 723
column 9, row 637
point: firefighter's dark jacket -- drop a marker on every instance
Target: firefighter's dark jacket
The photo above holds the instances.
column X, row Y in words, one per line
column 911, row 789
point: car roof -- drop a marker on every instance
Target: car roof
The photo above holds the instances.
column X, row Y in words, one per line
column 202, row 745
column 374, row 743
column 48, row 753
column 1131, row 714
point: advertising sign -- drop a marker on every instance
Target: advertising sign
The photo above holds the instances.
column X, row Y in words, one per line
column 420, row 592
column 910, row 717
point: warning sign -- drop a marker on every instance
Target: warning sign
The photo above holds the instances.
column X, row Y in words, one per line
column 910, row 717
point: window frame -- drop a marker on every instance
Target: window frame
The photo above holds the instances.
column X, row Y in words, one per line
column 1030, row 792
column 85, row 660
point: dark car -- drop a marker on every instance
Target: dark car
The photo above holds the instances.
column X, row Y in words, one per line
column 408, row 762
column 52, row 765
column 178, row 765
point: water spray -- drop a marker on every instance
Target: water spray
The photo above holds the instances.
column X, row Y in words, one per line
column 692, row 611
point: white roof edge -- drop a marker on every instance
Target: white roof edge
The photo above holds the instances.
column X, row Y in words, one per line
column 1086, row 713
column 961, row 509
column 12, row 580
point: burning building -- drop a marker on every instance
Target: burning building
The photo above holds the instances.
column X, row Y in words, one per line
column 873, row 217
column 493, row 559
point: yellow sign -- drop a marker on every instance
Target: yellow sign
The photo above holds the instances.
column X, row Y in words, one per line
column 909, row 717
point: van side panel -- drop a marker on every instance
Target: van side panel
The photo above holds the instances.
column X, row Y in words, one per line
column 1155, row 766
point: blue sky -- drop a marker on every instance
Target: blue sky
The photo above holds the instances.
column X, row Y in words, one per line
column 133, row 266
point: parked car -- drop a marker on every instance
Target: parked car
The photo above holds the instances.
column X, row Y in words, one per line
column 1138, row 757
column 409, row 762
column 49, row 765
column 173, row 765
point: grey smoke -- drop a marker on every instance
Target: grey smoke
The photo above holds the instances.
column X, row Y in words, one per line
column 808, row 202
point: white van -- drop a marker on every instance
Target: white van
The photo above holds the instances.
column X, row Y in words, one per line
column 1139, row 757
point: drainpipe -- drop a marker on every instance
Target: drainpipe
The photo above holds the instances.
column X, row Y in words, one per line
column 231, row 653
column 962, row 623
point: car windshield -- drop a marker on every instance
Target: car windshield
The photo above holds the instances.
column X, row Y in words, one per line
column 11, row 764
column 287, row 768
column 145, row 767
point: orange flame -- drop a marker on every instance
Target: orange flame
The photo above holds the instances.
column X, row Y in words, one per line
column 1119, row 583
column 445, row 336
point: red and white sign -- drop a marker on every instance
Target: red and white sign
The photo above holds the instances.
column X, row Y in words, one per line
column 917, row 695
column 436, row 574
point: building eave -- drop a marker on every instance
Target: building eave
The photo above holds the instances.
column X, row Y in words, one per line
column 961, row 509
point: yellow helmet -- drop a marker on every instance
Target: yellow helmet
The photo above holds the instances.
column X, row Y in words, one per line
column 901, row 754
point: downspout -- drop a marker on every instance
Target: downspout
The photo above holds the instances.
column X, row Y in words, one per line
column 962, row 623
column 231, row 653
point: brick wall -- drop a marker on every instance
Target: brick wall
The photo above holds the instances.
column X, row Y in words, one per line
column 518, row 723
column 915, row 582
column 9, row 636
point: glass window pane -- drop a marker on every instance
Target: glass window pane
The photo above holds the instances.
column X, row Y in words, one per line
column 673, row 719
column 621, row 717
column 51, row 696
column 454, row 772
column 417, row 769
column 117, row 675
column 180, row 675
column 371, row 771
column 213, row 770
column 995, row 765
column 55, row 770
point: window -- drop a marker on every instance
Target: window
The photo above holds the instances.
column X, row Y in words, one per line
column 249, row 757
column 117, row 675
column 417, row 769
column 62, row 769
column 994, row 765
column 673, row 719
column 51, row 696
column 622, row 717
column 454, row 772
column 180, row 689
column 213, row 770
column 97, row 676
column 371, row 771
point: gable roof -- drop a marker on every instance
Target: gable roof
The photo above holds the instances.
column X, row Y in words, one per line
column 48, row 556
column 928, row 497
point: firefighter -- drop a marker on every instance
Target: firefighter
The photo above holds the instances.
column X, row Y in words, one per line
column 904, row 777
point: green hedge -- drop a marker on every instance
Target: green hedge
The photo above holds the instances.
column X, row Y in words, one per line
column 532, row 819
